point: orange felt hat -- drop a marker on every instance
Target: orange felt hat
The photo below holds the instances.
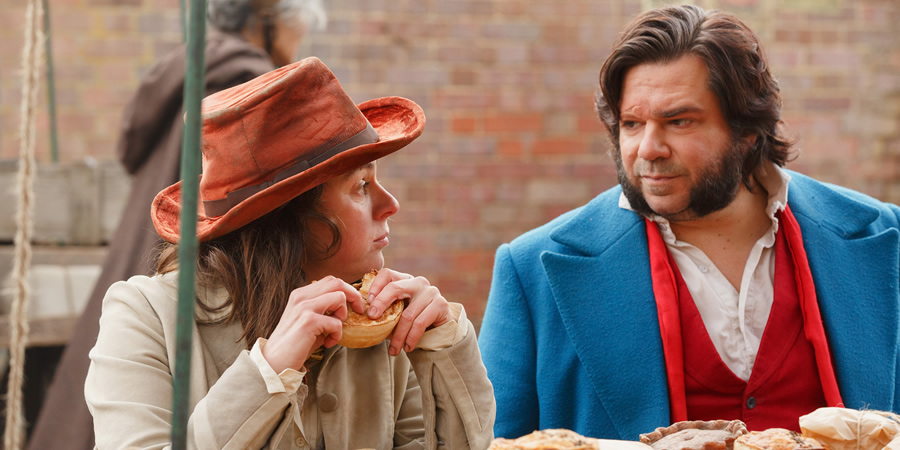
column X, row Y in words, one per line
column 277, row 136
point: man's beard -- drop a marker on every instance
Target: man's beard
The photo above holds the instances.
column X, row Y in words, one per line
column 717, row 188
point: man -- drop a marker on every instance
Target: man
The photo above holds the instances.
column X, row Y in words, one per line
column 247, row 38
column 711, row 283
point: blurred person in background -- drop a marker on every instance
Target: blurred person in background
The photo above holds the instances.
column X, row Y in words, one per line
column 246, row 38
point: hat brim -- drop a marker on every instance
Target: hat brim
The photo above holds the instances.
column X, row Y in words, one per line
column 398, row 122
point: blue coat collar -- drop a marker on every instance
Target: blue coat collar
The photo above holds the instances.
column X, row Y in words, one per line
column 604, row 294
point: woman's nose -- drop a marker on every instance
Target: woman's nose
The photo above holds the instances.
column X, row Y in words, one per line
column 387, row 205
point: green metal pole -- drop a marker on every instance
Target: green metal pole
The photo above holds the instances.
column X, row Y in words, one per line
column 183, row 22
column 187, row 246
column 51, row 85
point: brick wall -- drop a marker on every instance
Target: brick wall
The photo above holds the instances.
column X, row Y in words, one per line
column 512, row 139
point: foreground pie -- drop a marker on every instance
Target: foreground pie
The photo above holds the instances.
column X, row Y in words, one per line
column 776, row 439
column 555, row 438
column 562, row 439
column 696, row 435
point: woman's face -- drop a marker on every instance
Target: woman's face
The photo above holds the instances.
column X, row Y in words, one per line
column 360, row 206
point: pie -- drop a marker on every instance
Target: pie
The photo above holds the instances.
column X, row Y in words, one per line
column 549, row 439
column 696, row 435
column 776, row 439
column 359, row 331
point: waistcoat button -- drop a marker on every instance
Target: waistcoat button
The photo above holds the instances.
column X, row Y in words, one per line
column 328, row 402
column 751, row 402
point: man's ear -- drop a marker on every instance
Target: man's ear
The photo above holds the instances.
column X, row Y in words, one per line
column 750, row 140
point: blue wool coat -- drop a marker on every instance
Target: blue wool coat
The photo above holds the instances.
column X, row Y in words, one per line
column 571, row 339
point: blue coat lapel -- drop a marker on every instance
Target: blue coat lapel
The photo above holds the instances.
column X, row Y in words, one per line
column 856, row 267
column 605, row 299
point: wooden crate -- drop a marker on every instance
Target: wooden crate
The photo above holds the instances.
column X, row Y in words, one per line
column 76, row 203
column 76, row 212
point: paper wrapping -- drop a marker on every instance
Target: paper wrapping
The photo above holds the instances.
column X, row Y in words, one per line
column 850, row 429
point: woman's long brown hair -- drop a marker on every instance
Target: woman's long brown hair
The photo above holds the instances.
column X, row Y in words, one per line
column 260, row 264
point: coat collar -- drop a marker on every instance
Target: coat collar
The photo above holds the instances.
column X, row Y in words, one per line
column 616, row 331
column 605, row 298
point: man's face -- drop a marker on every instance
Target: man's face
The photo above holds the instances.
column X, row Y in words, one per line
column 677, row 158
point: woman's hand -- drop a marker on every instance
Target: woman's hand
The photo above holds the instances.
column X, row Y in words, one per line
column 313, row 317
column 426, row 307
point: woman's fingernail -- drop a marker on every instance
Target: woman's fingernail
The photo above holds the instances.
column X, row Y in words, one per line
column 394, row 351
column 409, row 348
column 373, row 312
column 370, row 297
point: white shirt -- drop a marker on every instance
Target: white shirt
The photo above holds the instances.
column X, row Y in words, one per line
column 735, row 320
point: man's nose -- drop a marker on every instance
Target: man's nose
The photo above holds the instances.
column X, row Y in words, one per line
column 653, row 144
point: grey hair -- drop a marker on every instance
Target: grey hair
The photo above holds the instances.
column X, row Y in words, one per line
column 232, row 16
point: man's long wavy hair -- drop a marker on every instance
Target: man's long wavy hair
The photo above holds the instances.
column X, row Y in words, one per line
column 738, row 74
column 260, row 264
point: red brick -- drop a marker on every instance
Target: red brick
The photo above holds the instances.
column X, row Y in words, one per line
column 114, row 2
column 590, row 124
column 513, row 123
column 463, row 125
column 557, row 146
column 509, row 148
column 471, row 261
column 464, row 77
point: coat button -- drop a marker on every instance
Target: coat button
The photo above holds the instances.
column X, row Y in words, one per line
column 328, row 402
column 751, row 402
column 300, row 442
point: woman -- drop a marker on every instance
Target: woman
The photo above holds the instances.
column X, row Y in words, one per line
column 289, row 196
column 247, row 39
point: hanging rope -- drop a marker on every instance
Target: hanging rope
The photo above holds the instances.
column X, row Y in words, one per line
column 14, row 434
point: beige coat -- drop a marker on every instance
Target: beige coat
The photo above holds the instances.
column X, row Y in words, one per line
column 365, row 398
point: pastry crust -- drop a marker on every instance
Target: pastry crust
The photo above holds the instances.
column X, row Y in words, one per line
column 776, row 439
column 696, row 435
column 550, row 439
column 359, row 331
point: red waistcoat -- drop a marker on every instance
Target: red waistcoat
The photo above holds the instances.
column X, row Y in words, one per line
column 788, row 378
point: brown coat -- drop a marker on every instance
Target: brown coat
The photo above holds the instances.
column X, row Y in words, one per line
column 363, row 398
column 150, row 150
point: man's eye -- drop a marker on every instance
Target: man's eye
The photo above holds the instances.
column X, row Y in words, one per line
column 682, row 122
column 629, row 124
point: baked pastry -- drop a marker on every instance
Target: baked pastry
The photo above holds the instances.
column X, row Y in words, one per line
column 359, row 331
column 550, row 439
column 775, row 439
column 696, row 435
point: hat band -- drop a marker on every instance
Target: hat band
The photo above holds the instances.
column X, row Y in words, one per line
column 215, row 208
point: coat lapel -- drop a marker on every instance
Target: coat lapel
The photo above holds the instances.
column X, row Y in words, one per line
column 855, row 267
column 605, row 299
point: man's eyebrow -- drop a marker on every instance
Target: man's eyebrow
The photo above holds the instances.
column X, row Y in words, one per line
column 679, row 111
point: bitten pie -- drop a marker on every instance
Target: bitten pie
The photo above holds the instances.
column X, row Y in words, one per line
column 776, row 439
column 696, row 435
column 359, row 331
